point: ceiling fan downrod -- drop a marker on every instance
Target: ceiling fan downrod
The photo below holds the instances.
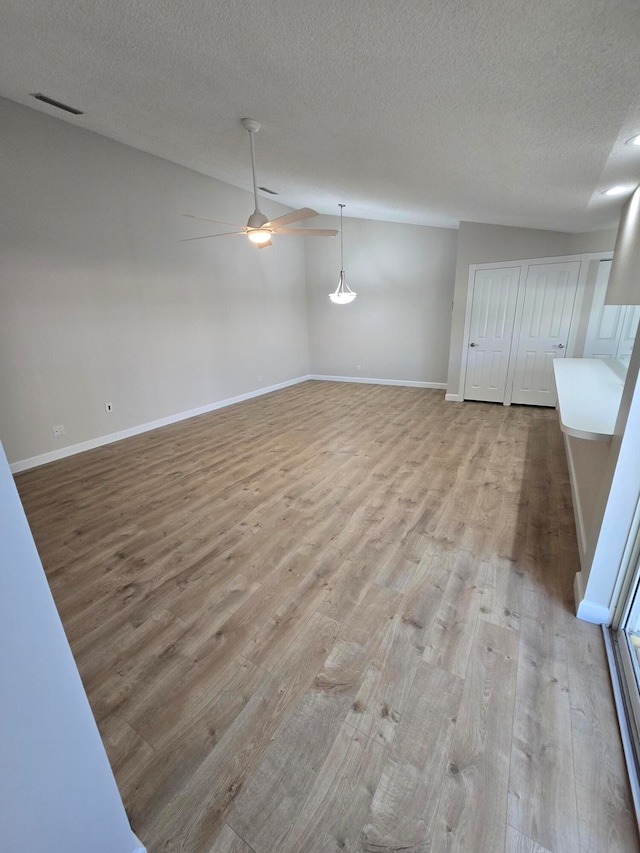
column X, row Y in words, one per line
column 257, row 218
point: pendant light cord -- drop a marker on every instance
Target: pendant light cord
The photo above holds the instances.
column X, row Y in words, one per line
column 341, row 241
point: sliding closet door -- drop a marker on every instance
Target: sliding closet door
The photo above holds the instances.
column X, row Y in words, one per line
column 495, row 293
column 547, row 309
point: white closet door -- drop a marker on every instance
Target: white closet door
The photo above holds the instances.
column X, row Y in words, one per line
column 493, row 308
column 628, row 333
column 605, row 321
column 547, row 308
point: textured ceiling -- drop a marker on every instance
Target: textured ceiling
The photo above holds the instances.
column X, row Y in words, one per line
column 427, row 111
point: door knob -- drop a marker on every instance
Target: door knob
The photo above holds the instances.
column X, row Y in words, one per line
column 473, row 345
column 559, row 346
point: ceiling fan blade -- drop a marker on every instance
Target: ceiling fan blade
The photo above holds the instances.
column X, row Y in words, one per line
column 310, row 232
column 207, row 236
column 264, row 245
column 294, row 216
column 217, row 221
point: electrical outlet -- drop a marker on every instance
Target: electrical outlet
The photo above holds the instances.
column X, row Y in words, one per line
column 358, row 367
column 108, row 407
column 58, row 430
column 259, row 377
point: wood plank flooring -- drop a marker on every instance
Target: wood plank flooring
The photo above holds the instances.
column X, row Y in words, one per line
column 338, row 618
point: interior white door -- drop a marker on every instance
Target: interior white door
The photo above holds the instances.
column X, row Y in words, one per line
column 628, row 332
column 547, row 308
column 493, row 308
column 605, row 321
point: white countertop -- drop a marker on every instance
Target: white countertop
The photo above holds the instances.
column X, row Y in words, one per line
column 589, row 393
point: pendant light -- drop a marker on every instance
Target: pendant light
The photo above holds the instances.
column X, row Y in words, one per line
column 343, row 292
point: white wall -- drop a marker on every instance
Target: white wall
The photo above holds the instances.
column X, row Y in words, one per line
column 482, row 244
column 57, row 791
column 398, row 326
column 100, row 302
column 616, row 503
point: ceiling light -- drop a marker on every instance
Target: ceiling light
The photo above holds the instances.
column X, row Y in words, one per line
column 259, row 235
column 618, row 190
column 635, row 140
column 343, row 293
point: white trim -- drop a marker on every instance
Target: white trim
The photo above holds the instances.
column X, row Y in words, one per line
column 515, row 333
column 577, row 307
column 557, row 259
column 592, row 611
column 578, row 590
column 72, row 449
column 407, row 383
column 589, row 611
column 453, row 398
column 623, row 722
column 630, row 563
column 628, row 574
column 467, row 331
column 599, row 256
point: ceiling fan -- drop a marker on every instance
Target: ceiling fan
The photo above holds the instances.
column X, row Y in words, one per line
column 259, row 229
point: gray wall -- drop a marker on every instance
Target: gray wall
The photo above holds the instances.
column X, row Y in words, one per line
column 398, row 326
column 100, row 302
column 483, row 244
column 56, row 787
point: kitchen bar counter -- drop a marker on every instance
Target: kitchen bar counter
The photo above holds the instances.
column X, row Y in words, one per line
column 589, row 394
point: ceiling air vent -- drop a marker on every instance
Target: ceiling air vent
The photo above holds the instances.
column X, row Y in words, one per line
column 267, row 190
column 39, row 97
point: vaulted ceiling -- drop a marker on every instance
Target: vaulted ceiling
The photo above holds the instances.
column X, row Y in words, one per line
column 426, row 111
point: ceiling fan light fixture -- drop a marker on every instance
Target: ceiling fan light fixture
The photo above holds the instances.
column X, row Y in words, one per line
column 259, row 235
column 259, row 229
column 257, row 219
column 343, row 293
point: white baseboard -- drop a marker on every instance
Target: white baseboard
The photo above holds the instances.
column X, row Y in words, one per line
column 140, row 848
column 72, row 449
column 453, row 398
column 589, row 611
column 407, row 383
column 578, row 590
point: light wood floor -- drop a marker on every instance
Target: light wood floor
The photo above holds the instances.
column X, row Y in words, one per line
column 338, row 618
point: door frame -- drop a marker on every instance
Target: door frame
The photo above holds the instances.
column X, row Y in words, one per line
column 584, row 259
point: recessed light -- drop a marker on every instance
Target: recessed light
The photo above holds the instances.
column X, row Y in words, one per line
column 619, row 190
column 635, row 140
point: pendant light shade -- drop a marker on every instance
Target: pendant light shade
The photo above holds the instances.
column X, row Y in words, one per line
column 343, row 293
